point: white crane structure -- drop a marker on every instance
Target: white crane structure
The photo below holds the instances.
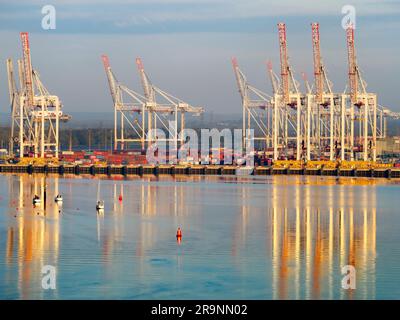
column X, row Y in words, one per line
column 129, row 117
column 162, row 108
column 35, row 112
column 257, row 110
column 137, row 118
column 318, row 124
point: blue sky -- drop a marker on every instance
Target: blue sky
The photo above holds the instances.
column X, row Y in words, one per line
column 186, row 46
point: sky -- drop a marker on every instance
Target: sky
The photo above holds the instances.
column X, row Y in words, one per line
column 187, row 45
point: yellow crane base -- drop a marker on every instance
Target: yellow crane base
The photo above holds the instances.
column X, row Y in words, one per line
column 38, row 161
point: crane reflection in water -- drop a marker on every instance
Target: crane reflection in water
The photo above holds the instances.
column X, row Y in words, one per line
column 292, row 234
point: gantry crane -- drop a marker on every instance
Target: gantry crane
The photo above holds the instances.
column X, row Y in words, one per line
column 256, row 109
column 289, row 116
column 164, row 109
column 129, row 117
column 363, row 109
column 13, row 95
column 35, row 112
column 319, row 124
column 323, row 108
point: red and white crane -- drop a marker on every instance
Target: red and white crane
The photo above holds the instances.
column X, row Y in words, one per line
column 35, row 112
column 284, row 63
column 353, row 68
column 362, row 107
column 317, row 63
column 323, row 115
column 319, row 123
column 288, row 110
column 26, row 58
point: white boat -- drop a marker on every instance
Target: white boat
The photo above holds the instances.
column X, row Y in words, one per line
column 99, row 203
column 58, row 198
column 36, row 200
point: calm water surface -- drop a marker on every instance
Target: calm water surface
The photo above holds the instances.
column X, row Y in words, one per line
column 278, row 237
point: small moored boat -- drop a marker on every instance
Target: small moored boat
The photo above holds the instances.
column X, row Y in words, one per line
column 100, row 205
column 36, row 200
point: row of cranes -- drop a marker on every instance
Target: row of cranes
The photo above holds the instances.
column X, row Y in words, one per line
column 319, row 124
column 143, row 118
column 35, row 113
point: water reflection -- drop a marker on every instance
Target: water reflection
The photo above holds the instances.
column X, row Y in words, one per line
column 314, row 232
column 33, row 236
column 297, row 231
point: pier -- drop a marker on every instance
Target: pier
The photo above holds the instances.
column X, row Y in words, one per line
column 388, row 172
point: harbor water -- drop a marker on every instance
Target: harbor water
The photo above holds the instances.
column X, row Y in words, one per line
column 247, row 237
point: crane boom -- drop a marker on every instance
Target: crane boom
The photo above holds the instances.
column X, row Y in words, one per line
column 21, row 75
column 284, row 62
column 148, row 92
column 352, row 64
column 306, row 83
column 11, row 80
column 110, row 77
column 318, row 76
column 239, row 78
column 272, row 78
column 26, row 54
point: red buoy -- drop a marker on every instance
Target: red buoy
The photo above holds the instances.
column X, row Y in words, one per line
column 179, row 233
column 120, row 197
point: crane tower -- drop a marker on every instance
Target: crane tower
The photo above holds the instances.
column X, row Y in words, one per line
column 35, row 112
column 129, row 117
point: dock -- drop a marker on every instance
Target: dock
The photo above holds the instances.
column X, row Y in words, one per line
column 388, row 172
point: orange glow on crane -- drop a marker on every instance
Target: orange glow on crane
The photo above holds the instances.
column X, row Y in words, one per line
column 110, row 78
column 145, row 81
column 351, row 54
column 106, row 61
column 319, row 84
column 284, row 62
column 27, row 67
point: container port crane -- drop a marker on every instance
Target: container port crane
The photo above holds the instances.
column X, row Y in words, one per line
column 323, row 108
column 138, row 117
column 256, row 108
column 35, row 112
column 129, row 117
column 289, row 120
column 362, row 106
column 163, row 107
column 320, row 124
